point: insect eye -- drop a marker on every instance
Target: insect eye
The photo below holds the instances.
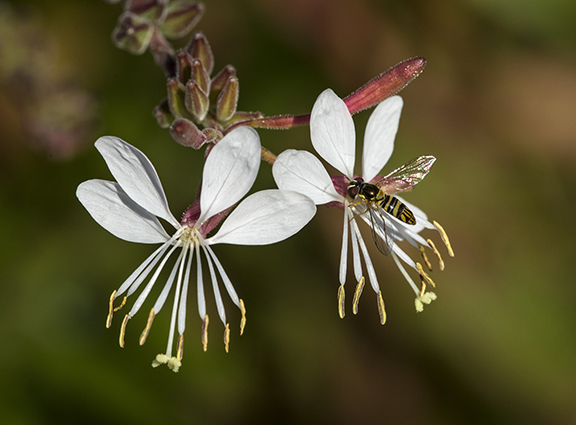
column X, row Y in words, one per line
column 353, row 190
column 354, row 187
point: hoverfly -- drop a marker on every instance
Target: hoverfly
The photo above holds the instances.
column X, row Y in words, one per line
column 378, row 197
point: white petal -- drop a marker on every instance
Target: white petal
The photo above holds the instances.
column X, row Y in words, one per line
column 114, row 210
column 332, row 132
column 136, row 175
column 379, row 138
column 266, row 217
column 229, row 171
column 302, row 172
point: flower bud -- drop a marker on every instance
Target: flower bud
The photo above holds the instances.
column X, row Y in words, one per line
column 200, row 49
column 186, row 133
column 163, row 115
column 180, row 17
column 132, row 33
column 200, row 76
column 220, row 80
column 149, row 9
column 183, row 66
column 176, row 98
column 227, row 100
column 196, row 101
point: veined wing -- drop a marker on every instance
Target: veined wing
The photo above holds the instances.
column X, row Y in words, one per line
column 378, row 229
column 407, row 176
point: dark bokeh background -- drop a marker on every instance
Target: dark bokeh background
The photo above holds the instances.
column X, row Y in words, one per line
column 495, row 105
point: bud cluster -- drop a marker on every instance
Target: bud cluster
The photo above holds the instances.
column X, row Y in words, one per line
column 199, row 108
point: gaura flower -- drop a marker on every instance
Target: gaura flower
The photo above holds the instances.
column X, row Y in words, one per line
column 130, row 207
column 333, row 137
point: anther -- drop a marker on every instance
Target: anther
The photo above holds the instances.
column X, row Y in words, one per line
column 123, row 330
column 341, row 298
column 425, row 258
column 357, row 293
column 424, row 276
column 444, row 237
column 227, row 336
column 180, row 347
column 435, row 250
column 205, row 333
column 243, row 320
column 110, row 309
column 146, row 330
column 381, row 309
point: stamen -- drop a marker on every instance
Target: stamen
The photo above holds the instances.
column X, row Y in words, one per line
column 227, row 336
column 381, row 309
column 423, row 275
column 243, row 320
column 422, row 287
column 440, row 260
column 357, row 293
column 425, row 257
column 146, row 330
column 341, row 297
column 123, row 330
column 444, row 237
column 112, row 309
column 180, row 347
column 205, row 333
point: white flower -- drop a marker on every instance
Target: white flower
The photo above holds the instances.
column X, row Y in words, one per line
column 333, row 137
column 129, row 207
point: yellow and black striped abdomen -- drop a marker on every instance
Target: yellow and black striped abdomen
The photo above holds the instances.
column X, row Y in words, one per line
column 397, row 208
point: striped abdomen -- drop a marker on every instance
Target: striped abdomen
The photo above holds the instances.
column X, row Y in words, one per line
column 396, row 208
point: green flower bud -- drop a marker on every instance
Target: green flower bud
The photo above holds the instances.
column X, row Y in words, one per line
column 132, row 33
column 176, row 98
column 227, row 100
column 200, row 49
column 196, row 101
column 163, row 115
column 180, row 17
column 183, row 66
column 148, row 9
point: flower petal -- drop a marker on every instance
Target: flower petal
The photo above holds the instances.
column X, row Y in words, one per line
column 302, row 172
column 136, row 175
column 379, row 138
column 266, row 217
column 332, row 132
column 229, row 171
column 114, row 210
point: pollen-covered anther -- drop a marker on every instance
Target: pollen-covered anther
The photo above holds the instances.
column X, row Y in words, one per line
column 341, row 299
column 444, row 237
column 425, row 276
column 357, row 293
column 425, row 298
column 123, row 330
column 425, row 257
column 243, row 320
column 227, row 337
column 381, row 309
column 146, row 330
column 205, row 332
column 435, row 250
column 172, row 362
column 180, row 348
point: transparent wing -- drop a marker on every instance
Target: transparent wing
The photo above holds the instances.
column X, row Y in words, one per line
column 407, row 176
column 378, row 229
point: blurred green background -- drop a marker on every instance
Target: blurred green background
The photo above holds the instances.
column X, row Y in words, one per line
column 495, row 104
